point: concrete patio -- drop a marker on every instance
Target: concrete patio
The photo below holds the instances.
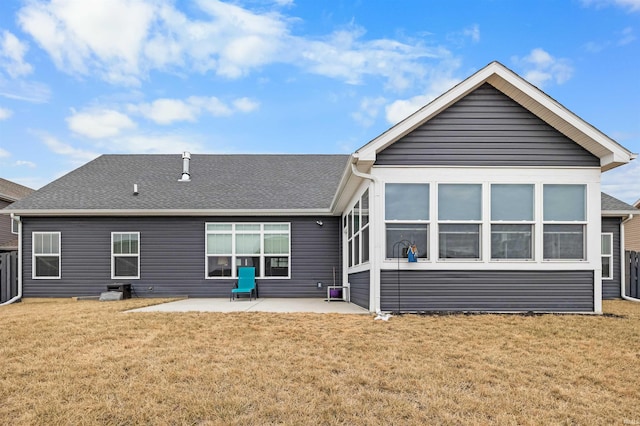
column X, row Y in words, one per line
column 319, row 306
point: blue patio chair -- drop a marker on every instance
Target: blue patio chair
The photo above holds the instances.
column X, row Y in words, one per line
column 246, row 283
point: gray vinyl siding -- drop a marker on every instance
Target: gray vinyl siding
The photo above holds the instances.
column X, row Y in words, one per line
column 172, row 257
column 486, row 128
column 360, row 288
column 498, row 291
column 611, row 288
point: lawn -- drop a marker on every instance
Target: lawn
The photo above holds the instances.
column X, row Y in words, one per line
column 66, row 362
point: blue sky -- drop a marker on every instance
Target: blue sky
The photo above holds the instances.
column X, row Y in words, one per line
column 80, row 78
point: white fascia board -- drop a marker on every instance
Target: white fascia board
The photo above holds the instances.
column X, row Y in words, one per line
column 170, row 212
column 619, row 213
column 344, row 180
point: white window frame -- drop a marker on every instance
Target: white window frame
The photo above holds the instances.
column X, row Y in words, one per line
column 34, row 255
column 14, row 226
column 609, row 235
column 479, row 223
column 583, row 223
column 349, row 222
column 531, row 223
column 114, row 255
column 424, row 253
column 233, row 255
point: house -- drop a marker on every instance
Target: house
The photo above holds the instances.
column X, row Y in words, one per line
column 616, row 217
column 632, row 231
column 494, row 182
column 10, row 192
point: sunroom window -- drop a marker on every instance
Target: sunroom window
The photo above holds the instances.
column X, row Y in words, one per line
column 564, row 216
column 357, row 229
column 406, row 218
column 459, row 221
column 512, row 219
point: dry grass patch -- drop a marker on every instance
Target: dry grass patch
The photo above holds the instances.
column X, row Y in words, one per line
column 66, row 362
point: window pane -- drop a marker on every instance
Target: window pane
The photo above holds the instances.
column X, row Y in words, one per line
column 512, row 202
column 356, row 250
column 400, row 236
column 47, row 266
column 248, row 261
column 365, row 245
column 219, row 227
column 356, row 217
column 511, row 241
column 276, row 244
column 564, row 202
column 248, row 244
column 276, row 227
column 459, row 241
column 276, row 266
column 606, row 244
column 349, row 225
column 365, row 207
column 350, row 258
column 247, row 227
column 125, row 243
column 219, row 244
column 125, row 266
column 459, row 202
column 219, row 266
column 606, row 268
column 563, row 242
column 406, row 201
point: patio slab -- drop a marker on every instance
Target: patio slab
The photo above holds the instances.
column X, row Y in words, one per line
column 320, row 306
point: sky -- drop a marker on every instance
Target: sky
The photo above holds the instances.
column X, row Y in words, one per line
column 81, row 78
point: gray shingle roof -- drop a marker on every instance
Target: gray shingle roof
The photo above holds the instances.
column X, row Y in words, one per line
column 612, row 204
column 218, row 182
column 12, row 191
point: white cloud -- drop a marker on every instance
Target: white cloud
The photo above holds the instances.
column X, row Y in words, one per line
column 75, row 155
column 540, row 68
column 5, row 113
column 626, row 36
column 155, row 144
column 623, row 182
column 23, row 90
column 12, row 53
column 630, row 5
column 100, row 123
column 167, row 111
column 4, row 153
column 122, row 41
column 368, row 111
column 29, row 164
column 473, row 32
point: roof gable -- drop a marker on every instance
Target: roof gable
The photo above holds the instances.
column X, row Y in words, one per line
column 610, row 153
column 220, row 184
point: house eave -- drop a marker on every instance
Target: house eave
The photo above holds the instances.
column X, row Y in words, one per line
column 619, row 213
column 168, row 212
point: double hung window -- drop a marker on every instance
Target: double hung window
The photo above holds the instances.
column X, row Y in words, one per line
column 607, row 256
column 512, row 218
column 406, row 218
column 46, row 255
column 459, row 221
column 125, row 255
column 266, row 247
column 564, row 216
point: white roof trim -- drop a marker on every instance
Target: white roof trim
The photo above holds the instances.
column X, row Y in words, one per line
column 611, row 153
column 169, row 212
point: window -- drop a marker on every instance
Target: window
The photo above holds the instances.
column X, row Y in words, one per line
column 512, row 217
column 607, row 256
column 46, row 255
column 265, row 247
column 125, row 255
column 357, row 228
column 459, row 220
column 406, row 215
column 14, row 226
column 564, row 217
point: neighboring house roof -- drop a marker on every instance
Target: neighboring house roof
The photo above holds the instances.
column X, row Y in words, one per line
column 610, row 153
column 11, row 191
column 611, row 206
column 220, row 184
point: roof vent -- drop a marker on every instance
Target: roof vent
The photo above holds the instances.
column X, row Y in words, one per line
column 186, row 176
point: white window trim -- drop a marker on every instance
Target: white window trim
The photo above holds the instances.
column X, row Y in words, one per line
column 480, row 222
column 14, row 226
column 34, row 255
column 610, row 256
column 233, row 255
column 113, row 256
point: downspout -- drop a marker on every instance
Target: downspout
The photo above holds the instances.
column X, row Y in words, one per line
column 373, row 237
column 19, row 295
column 622, row 256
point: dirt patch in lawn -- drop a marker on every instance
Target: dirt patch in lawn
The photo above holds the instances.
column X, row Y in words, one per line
column 66, row 362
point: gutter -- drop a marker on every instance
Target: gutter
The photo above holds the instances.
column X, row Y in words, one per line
column 622, row 270
column 19, row 295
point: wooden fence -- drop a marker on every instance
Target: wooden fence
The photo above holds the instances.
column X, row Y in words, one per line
column 8, row 275
column 632, row 274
